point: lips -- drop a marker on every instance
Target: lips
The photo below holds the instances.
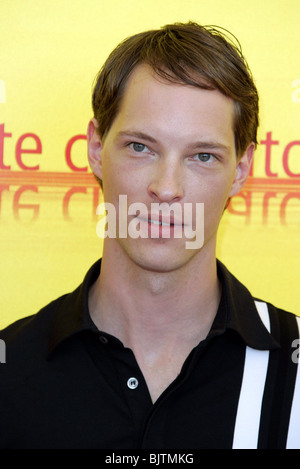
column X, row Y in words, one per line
column 160, row 226
column 164, row 220
column 159, row 222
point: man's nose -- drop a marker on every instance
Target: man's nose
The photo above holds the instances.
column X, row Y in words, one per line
column 166, row 183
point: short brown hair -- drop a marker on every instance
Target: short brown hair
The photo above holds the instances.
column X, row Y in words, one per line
column 188, row 53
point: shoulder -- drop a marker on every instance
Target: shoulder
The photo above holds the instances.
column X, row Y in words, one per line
column 27, row 328
column 260, row 323
column 274, row 310
column 65, row 312
column 27, row 340
column 284, row 325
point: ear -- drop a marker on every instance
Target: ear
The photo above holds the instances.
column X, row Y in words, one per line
column 94, row 148
column 242, row 170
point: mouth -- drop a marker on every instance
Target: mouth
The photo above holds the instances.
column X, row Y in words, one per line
column 160, row 222
column 161, row 226
column 161, row 219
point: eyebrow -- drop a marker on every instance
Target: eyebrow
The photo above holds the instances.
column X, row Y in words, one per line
column 211, row 145
column 203, row 144
column 136, row 134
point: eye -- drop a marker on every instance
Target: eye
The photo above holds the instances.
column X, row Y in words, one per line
column 138, row 147
column 205, row 157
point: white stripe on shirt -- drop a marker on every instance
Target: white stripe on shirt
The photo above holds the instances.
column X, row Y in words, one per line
column 247, row 422
column 293, row 439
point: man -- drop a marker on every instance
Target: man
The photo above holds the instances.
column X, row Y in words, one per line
column 160, row 347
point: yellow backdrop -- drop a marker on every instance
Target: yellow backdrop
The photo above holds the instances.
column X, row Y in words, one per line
column 50, row 52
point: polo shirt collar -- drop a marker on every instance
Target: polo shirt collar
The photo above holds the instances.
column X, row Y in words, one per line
column 237, row 311
column 72, row 314
column 241, row 313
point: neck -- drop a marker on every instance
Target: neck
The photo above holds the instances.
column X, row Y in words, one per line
column 161, row 317
column 140, row 306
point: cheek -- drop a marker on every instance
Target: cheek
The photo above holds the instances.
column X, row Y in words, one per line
column 214, row 194
column 114, row 178
column 212, row 190
column 119, row 180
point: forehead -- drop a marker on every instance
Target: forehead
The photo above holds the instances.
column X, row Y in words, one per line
column 173, row 110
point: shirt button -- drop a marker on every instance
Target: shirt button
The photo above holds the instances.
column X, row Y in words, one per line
column 103, row 339
column 132, row 383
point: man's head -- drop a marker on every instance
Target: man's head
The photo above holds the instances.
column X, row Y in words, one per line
column 185, row 53
column 174, row 122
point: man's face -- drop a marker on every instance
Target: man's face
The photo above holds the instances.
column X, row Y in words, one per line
column 169, row 143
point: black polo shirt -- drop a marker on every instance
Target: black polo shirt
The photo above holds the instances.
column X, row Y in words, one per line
column 65, row 384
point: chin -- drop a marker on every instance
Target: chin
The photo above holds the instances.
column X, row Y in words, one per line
column 160, row 257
